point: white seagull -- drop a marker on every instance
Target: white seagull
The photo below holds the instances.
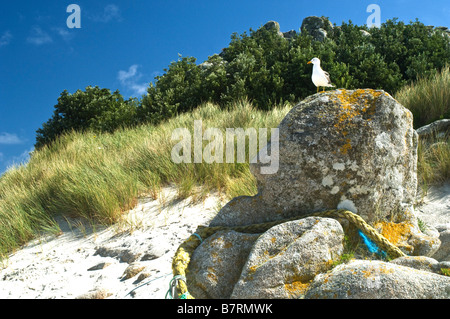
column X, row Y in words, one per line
column 319, row 77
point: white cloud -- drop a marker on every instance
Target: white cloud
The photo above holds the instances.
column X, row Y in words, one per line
column 110, row 12
column 139, row 89
column 64, row 33
column 39, row 36
column 5, row 39
column 130, row 80
column 126, row 75
column 20, row 159
column 10, row 139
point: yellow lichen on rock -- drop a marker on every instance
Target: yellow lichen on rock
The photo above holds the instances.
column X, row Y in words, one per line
column 374, row 271
column 348, row 101
column 396, row 233
column 296, row 289
column 348, row 111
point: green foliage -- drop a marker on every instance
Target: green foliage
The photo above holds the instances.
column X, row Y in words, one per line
column 174, row 92
column 268, row 69
column 95, row 109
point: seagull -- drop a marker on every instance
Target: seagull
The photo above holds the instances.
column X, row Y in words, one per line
column 319, row 77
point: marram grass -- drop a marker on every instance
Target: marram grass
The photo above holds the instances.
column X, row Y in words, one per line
column 100, row 176
column 427, row 98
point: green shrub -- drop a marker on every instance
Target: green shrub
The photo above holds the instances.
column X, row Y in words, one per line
column 94, row 109
column 267, row 69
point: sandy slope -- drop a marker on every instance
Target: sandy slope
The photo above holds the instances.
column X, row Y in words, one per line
column 61, row 267
column 91, row 264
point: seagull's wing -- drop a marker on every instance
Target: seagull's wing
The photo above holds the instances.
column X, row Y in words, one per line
column 327, row 76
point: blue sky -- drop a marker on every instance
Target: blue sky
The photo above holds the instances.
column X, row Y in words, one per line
column 124, row 44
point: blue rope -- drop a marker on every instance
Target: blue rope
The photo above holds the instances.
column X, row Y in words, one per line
column 371, row 246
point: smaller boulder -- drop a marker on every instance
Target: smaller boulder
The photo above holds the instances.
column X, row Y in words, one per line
column 362, row 279
column 273, row 25
column 286, row 258
column 216, row 264
column 419, row 263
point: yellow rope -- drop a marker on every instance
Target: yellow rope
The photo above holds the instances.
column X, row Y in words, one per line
column 187, row 248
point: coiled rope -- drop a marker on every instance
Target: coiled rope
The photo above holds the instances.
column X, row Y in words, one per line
column 179, row 289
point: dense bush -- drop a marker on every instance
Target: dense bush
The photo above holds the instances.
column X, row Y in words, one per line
column 95, row 109
column 267, row 69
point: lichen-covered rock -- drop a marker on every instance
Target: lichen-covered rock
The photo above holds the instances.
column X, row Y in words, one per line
column 286, row 258
column 217, row 263
column 273, row 25
column 316, row 27
column 362, row 279
column 340, row 149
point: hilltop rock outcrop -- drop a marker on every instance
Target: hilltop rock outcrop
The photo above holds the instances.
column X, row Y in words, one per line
column 316, row 27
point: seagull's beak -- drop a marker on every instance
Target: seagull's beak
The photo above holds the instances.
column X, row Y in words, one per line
column 309, row 62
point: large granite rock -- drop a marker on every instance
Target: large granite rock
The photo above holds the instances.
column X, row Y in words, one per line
column 354, row 150
column 349, row 149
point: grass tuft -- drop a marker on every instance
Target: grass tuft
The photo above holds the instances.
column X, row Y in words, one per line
column 99, row 176
column 428, row 98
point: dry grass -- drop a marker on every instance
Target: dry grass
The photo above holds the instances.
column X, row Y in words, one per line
column 98, row 177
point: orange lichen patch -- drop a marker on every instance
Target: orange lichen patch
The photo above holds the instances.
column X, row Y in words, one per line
column 346, row 147
column 211, row 274
column 348, row 101
column 358, row 104
column 273, row 240
column 214, row 255
column 296, row 288
column 394, row 232
column 373, row 271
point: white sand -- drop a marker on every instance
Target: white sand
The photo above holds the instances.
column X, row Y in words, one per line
column 58, row 267
column 435, row 207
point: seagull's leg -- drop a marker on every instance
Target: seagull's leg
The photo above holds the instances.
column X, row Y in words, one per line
column 323, row 90
column 318, row 89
